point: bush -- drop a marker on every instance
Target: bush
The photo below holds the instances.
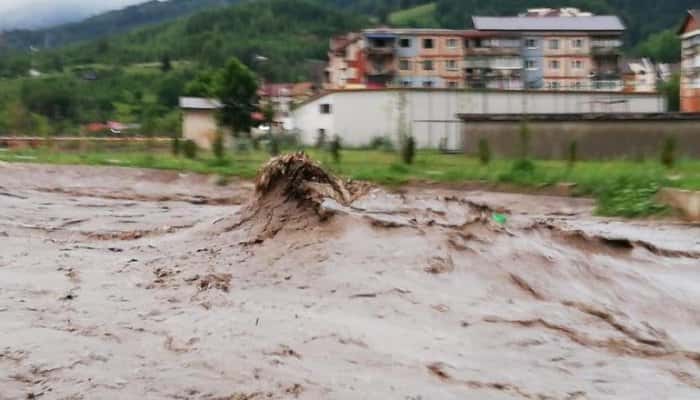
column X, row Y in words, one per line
column 218, row 146
column 176, row 146
column 668, row 153
column 629, row 197
column 572, row 153
column 189, row 149
column 379, row 143
column 524, row 140
column 523, row 167
column 484, row 151
column 408, row 150
column 273, row 145
column 321, row 140
column 334, row 148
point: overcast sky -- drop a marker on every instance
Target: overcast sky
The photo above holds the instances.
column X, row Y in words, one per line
column 39, row 13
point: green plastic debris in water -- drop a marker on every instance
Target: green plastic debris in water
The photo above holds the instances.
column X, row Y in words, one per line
column 500, row 219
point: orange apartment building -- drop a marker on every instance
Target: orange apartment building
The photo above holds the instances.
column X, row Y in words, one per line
column 690, row 62
column 554, row 52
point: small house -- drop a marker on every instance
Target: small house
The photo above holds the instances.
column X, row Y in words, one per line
column 199, row 122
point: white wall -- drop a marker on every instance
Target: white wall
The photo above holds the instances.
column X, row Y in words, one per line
column 430, row 115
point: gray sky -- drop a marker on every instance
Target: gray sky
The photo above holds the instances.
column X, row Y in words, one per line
column 39, row 13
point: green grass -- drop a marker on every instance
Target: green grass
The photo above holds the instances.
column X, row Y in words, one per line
column 623, row 188
column 422, row 16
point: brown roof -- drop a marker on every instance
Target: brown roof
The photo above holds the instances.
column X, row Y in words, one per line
column 694, row 14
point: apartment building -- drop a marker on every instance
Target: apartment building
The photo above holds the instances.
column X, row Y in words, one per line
column 690, row 62
column 542, row 49
column 347, row 62
column 564, row 52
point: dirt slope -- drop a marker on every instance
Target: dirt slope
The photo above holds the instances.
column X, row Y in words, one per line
column 121, row 283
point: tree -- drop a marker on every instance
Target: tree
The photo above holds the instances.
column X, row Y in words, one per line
column 165, row 63
column 672, row 92
column 237, row 89
column 664, row 46
column 203, row 85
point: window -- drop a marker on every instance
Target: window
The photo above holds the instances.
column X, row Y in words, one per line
column 406, row 83
column 405, row 43
column 530, row 64
column 451, row 65
column 404, row 65
column 577, row 43
column 428, row 43
column 577, row 64
column 428, row 65
column 554, row 64
column 452, row 85
column 325, row 108
column 554, row 44
column 531, row 43
column 452, row 43
column 553, row 85
column 478, row 43
column 578, row 85
column 428, row 84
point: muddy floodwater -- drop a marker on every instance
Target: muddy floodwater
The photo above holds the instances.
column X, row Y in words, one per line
column 134, row 284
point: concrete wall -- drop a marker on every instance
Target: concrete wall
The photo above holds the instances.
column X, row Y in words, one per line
column 596, row 138
column 430, row 115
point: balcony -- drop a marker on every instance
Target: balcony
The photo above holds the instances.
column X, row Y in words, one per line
column 607, row 85
column 602, row 51
column 378, row 69
column 380, row 51
column 494, row 63
column 606, row 75
column 493, row 51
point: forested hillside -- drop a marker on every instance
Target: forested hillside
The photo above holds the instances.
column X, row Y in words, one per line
column 642, row 17
column 137, row 77
column 110, row 23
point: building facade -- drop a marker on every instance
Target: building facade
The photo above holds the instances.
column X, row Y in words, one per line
column 690, row 62
column 430, row 115
column 561, row 50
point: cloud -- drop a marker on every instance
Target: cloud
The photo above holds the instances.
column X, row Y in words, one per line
column 42, row 13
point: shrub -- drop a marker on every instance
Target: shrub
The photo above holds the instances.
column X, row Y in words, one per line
column 408, row 150
column 189, row 149
column 572, row 153
column 523, row 166
column 334, row 148
column 176, row 146
column 379, row 143
column 484, row 151
column 524, row 140
column 629, row 197
column 668, row 152
column 273, row 146
column 218, row 146
column 321, row 140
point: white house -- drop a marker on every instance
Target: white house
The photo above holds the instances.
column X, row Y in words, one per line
column 430, row 115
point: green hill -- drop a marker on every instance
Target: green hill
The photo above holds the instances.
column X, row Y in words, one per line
column 285, row 32
column 422, row 16
column 109, row 23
